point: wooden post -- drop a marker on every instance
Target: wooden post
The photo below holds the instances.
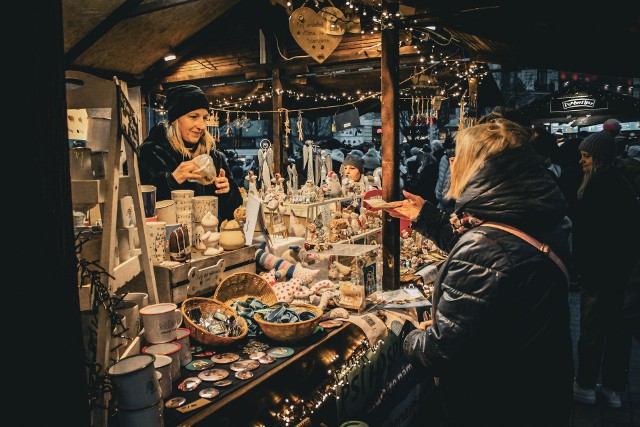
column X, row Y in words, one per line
column 52, row 275
column 279, row 151
column 473, row 101
column 390, row 153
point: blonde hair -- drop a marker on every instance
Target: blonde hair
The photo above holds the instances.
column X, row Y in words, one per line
column 477, row 143
column 596, row 167
column 206, row 142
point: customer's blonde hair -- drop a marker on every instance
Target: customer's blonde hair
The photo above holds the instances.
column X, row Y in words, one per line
column 477, row 143
column 206, row 142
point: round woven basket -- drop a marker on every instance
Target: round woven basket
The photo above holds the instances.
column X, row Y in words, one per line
column 207, row 305
column 290, row 332
column 240, row 286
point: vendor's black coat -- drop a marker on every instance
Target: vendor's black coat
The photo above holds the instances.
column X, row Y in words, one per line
column 158, row 160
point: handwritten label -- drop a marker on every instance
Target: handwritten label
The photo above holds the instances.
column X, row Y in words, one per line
column 308, row 30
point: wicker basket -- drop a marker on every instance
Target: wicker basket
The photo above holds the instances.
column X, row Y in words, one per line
column 290, row 332
column 207, row 305
column 240, row 286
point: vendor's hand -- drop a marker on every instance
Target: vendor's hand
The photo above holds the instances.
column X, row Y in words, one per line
column 408, row 208
column 185, row 171
column 221, row 182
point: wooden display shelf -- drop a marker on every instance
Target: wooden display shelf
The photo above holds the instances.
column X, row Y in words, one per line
column 90, row 192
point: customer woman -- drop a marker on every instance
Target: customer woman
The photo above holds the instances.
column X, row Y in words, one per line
column 499, row 341
column 166, row 155
column 605, row 243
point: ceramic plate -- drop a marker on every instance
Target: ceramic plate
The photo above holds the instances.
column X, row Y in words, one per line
column 213, row 374
column 225, row 357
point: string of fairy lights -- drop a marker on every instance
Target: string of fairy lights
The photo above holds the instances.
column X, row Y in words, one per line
column 433, row 45
column 295, row 408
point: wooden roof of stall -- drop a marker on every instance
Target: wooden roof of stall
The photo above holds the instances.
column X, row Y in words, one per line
column 217, row 42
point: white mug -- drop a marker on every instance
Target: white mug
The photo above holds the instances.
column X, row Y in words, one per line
column 161, row 322
column 170, row 349
column 185, row 352
column 136, row 383
column 183, row 199
column 166, row 211
column 140, row 298
column 156, row 240
column 204, row 204
column 163, row 365
column 131, row 311
column 153, row 416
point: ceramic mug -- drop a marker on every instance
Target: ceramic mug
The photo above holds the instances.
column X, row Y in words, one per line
column 161, row 322
column 140, row 298
column 127, row 217
column 156, row 240
column 163, row 365
column 124, row 248
column 183, row 199
column 204, row 204
column 153, row 416
column 170, row 349
column 149, row 200
column 136, row 383
column 166, row 211
column 185, row 352
column 130, row 310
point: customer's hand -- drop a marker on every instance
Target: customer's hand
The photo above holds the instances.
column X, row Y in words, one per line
column 408, row 208
column 222, row 182
column 185, row 171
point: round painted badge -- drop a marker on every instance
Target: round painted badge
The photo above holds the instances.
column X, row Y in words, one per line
column 244, row 365
column 209, row 393
column 189, row 384
column 199, row 365
column 174, row 402
column 213, row 374
column 244, row 375
column 280, row 352
column 223, row 383
column 225, row 357
column 266, row 359
column 329, row 324
column 256, row 355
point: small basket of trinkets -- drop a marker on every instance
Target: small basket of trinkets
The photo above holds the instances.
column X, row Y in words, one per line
column 289, row 323
column 212, row 322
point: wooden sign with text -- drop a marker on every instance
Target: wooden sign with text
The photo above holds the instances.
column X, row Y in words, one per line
column 308, row 30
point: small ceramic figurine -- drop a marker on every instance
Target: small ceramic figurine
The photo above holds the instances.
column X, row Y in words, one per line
column 211, row 240
column 333, row 187
column 251, row 177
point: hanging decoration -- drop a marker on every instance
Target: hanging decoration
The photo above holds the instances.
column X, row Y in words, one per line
column 265, row 163
column 287, row 128
column 308, row 159
column 228, row 122
column 215, row 122
column 308, row 30
column 259, row 123
column 299, row 126
column 463, row 117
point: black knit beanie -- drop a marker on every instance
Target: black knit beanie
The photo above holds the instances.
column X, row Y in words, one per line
column 600, row 145
column 184, row 99
column 355, row 161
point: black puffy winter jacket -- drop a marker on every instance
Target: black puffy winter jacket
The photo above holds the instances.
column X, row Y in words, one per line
column 158, row 160
column 500, row 341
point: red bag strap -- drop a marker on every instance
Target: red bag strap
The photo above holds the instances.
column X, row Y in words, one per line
column 542, row 247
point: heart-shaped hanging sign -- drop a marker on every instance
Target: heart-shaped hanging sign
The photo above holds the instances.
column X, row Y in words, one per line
column 308, row 30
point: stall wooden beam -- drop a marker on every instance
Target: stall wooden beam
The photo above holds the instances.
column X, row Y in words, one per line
column 276, row 102
column 389, row 74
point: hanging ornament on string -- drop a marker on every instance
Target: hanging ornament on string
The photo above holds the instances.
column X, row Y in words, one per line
column 246, row 122
column 215, row 122
column 287, row 128
column 228, row 122
column 237, row 122
column 412, row 119
column 299, row 125
column 259, row 123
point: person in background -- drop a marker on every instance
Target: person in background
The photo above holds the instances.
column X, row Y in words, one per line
column 499, row 339
column 631, row 310
column 371, row 159
column 605, row 249
column 437, row 149
column 444, row 172
column 165, row 159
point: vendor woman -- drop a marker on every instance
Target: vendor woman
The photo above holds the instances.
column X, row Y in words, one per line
column 166, row 155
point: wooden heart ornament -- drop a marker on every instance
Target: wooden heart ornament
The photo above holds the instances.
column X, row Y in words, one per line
column 307, row 29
